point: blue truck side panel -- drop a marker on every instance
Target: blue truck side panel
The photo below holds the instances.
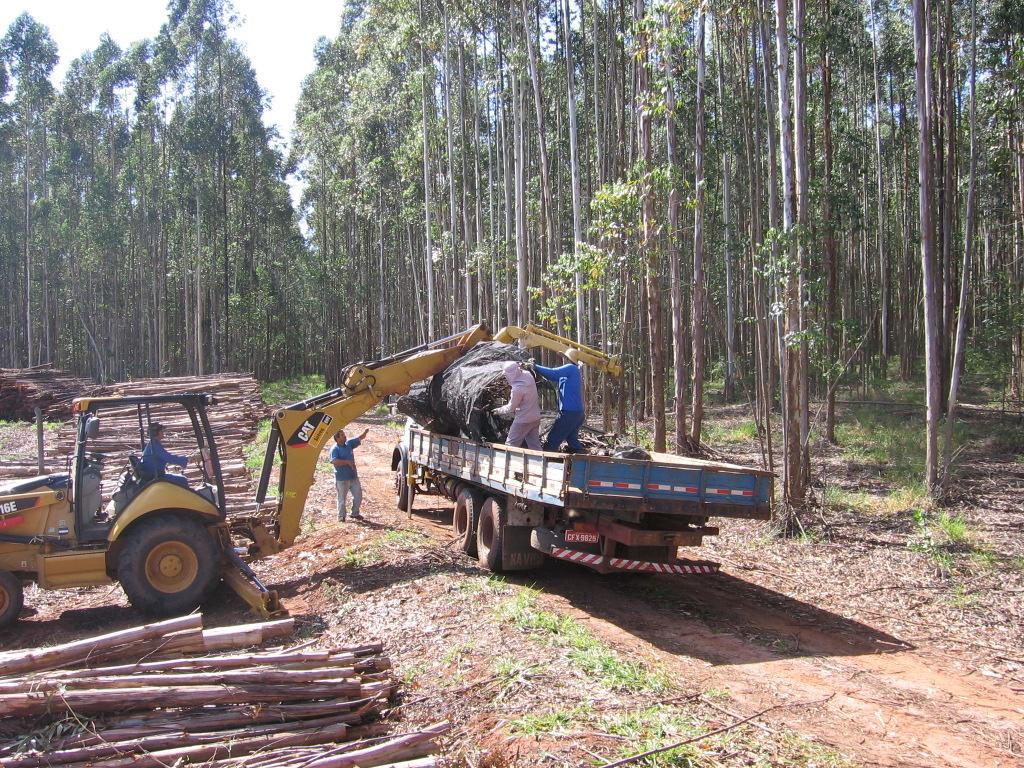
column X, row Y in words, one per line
column 560, row 480
column 647, row 479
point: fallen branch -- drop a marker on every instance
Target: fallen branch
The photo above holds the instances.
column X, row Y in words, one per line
column 709, row 734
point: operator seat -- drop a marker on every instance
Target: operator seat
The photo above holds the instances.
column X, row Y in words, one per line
column 141, row 475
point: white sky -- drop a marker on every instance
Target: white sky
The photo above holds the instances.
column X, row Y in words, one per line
column 278, row 37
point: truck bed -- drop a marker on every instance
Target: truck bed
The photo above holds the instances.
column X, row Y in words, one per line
column 627, row 487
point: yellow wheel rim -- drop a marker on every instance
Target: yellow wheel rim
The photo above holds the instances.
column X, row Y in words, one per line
column 171, row 567
column 5, row 600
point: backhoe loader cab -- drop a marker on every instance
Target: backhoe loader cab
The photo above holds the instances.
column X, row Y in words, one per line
column 97, row 522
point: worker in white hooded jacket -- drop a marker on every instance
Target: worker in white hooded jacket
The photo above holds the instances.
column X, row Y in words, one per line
column 523, row 406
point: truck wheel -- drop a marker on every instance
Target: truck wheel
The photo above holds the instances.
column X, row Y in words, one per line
column 490, row 530
column 167, row 565
column 11, row 598
column 464, row 519
column 404, row 494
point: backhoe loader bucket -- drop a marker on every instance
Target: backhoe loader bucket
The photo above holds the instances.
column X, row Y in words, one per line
column 241, row 578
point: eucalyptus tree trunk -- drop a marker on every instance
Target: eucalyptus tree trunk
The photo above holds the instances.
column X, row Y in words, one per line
column 428, row 256
column 831, row 351
column 522, row 268
column 27, row 258
column 457, row 247
column 647, row 236
column 932, row 315
column 965, row 267
column 730, row 341
column 771, row 116
column 547, row 207
column 801, row 141
column 753, row 142
column 949, row 197
column 697, row 286
column 793, row 466
column 574, row 164
column 883, row 256
column 675, row 276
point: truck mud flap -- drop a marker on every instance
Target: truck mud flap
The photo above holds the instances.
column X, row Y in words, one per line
column 546, row 541
column 517, row 553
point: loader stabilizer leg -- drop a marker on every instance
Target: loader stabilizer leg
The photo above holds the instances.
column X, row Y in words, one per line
column 241, row 578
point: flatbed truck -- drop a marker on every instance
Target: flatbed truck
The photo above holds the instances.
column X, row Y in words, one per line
column 515, row 507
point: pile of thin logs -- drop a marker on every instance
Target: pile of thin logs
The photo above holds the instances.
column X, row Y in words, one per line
column 50, row 389
column 131, row 698
column 234, row 420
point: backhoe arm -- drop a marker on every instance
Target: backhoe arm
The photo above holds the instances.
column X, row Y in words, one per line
column 300, row 431
column 534, row 336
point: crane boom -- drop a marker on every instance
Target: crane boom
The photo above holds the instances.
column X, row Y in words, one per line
column 535, row 336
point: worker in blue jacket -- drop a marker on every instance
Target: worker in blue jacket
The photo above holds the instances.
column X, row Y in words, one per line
column 571, row 416
column 155, row 457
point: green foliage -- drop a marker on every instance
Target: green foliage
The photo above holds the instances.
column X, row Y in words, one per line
column 585, row 651
column 292, row 390
column 888, row 442
column 551, row 722
column 358, row 557
column 734, row 434
column 256, row 450
column 558, row 286
column 954, row 527
column 654, row 727
column 913, row 496
column 403, row 539
column 949, row 542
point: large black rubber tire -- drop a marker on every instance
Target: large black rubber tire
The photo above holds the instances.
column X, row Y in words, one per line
column 490, row 531
column 465, row 517
column 11, row 598
column 404, row 494
column 167, row 564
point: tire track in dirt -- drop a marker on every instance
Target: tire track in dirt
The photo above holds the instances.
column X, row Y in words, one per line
column 881, row 700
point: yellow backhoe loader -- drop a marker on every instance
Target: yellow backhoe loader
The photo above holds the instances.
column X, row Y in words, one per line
column 169, row 545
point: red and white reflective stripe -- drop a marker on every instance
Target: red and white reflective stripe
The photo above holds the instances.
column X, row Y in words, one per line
column 575, row 556
column 730, row 492
column 608, row 484
column 639, row 565
column 676, row 488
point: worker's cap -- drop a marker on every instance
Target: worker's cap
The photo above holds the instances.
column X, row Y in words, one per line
column 510, row 368
column 155, row 429
column 572, row 355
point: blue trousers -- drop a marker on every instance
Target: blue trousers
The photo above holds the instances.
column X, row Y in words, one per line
column 566, row 429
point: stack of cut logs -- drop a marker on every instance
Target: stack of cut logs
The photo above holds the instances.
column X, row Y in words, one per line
column 22, row 390
column 131, row 698
column 234, row 421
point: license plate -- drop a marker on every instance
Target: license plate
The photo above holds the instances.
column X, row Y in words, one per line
column 581, row 537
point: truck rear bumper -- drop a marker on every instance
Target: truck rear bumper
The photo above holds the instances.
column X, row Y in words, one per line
column 544, row 541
